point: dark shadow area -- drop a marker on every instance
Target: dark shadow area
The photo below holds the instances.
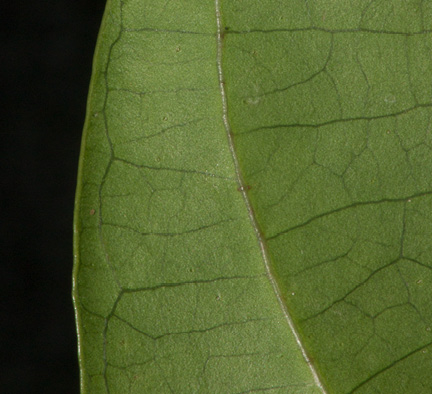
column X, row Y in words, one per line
column 46, row 55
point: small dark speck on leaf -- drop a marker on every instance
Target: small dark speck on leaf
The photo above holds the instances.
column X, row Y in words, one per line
column 244, row 188
column 92, row 212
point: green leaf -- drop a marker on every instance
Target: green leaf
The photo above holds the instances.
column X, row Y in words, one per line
column 254, row 204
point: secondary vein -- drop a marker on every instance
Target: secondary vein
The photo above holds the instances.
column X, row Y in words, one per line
column 243, row 189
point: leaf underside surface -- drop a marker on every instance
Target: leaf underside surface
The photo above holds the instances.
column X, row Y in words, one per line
column 253, row 209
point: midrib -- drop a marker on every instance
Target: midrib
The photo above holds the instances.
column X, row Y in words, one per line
column 243, row 190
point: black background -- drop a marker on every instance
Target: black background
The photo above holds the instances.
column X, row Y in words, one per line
column 45, row 62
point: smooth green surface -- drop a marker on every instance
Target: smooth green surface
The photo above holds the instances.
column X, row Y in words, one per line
column 330, row 105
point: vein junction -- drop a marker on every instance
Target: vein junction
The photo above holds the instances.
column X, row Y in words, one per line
column 242, row 187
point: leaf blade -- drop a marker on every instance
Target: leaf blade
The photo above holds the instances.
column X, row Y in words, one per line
column 162, row 230
column 173, row 263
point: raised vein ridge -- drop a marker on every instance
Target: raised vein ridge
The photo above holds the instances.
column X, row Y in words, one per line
column 243, row 189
